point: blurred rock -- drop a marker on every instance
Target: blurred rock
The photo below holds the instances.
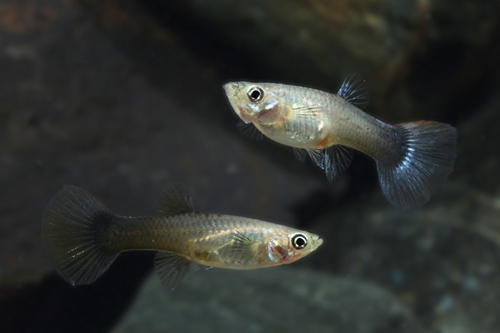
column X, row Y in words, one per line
column 270, row 300
column 422, row 60
column 122, row 98
column 78, row 111
column 441, row 260
column 478, row 159
column 418, row 56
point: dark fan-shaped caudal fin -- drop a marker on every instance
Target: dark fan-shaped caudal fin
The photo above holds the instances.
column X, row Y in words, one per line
column 422, row 162
column 74, row 235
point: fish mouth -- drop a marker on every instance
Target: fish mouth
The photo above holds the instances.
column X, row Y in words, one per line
column 264, row 115
column 267, row 113
column 232, row 90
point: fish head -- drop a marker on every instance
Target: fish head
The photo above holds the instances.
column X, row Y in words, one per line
column 255, row 103
column 292, row 246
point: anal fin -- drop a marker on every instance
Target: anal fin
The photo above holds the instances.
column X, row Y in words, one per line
column 336, row 159
column 317, row 156
column 171, row 268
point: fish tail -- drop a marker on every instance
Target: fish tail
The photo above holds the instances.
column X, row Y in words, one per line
column 74, row 234
column 424, row 157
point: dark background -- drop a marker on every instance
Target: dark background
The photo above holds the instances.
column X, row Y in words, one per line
column 123, row 97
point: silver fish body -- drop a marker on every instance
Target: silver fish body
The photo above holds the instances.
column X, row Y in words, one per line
column 313, row 119
column 215, row 240
column 413, row 159
column 82, row 238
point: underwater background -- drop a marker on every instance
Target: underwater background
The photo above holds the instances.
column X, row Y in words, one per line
column 124, row 97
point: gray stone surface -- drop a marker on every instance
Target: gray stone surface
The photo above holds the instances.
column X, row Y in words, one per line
column 122, row 98
column 442, row 260
column 268, row 300
column 80, row 112
column 418, row 56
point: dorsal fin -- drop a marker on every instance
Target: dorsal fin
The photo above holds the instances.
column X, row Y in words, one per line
column 174, row 200
column 354, row 90
column 250, row 131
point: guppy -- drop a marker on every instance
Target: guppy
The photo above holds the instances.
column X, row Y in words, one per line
column 82, row 238
column 413, row 159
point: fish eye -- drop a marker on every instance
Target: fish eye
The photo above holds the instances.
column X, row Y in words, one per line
column 299, row 241
column 255, row 94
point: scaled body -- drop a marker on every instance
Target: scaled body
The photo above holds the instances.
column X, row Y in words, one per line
column 83, row 238
column 310, row 119
column 413, row 159
column 210, row 239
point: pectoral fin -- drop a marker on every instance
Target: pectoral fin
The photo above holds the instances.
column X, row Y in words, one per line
column 306, row 111
column 240, row 250
column 250, row 131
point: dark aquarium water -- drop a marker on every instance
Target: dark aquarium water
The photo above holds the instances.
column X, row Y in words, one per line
column 122, row 98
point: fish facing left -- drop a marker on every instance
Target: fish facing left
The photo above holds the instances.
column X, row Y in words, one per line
column 82, row 238
column 413, row 159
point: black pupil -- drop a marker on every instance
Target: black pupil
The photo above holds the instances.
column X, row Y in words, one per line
column 299, row 242
column 255, row 94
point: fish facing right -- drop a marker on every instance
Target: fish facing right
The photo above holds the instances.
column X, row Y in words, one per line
column 413, row 159
column 82, row 238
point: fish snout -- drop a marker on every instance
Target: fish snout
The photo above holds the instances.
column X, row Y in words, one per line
column 232, row 88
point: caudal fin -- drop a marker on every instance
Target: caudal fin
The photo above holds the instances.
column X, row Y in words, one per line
column 422, row 163
column 73, row 232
